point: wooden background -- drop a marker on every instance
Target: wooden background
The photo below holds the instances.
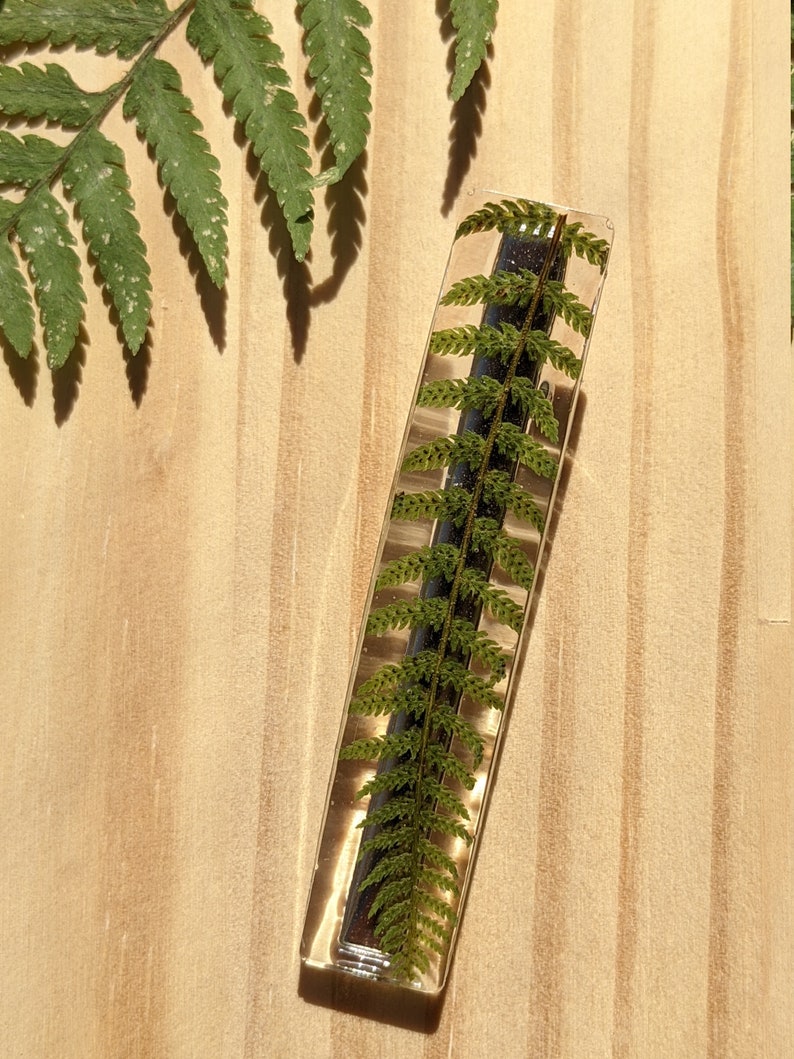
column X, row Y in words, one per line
column 187, row 540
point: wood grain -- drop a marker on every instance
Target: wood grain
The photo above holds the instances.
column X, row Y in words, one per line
column 188, row 538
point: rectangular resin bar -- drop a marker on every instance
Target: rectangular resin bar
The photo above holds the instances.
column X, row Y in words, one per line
column 451, row 591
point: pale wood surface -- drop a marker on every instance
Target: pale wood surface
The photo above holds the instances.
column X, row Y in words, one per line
column 187, row 544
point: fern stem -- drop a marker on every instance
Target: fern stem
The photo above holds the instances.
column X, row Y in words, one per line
column 114, row 93
column 464, row 547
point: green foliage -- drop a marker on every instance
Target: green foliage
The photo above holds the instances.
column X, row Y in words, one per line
column 517, row 216
column 188, row 168
column 474, row 22
column 339, row 65
column 249, row 68
column 430, row 751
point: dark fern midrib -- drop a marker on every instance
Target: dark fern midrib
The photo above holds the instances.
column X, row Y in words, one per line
column 114, row 93
column 464, row 546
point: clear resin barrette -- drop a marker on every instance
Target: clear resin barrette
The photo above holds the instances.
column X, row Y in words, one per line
column 451, row 592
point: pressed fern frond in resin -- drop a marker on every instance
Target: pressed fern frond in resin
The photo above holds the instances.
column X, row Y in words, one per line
column 474, row 490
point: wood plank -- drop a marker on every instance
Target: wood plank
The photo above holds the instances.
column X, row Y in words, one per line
column 188, row 539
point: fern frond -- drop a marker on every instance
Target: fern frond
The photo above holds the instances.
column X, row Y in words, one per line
column 496, row 343
column 458, row 676
column 188, row 168
column 512, row 442
column 43, row 231
column 16, row 309
column 438, row 560
column 414, row 613
column 475, row 585
column 518, row 288
column 467, row 448
column 249, row 68
column 414, row 667
column 500, row 288
column 488, row 537
column 412, row 701
column 520, row 216
column 447, row 505
column 534, row 404
column 454, row 725
column 542, row 348
column 94, row 175
column 500, row 489
column 472, row 392
column 510, row 217
column 577, row 316
column 464, row 637
column 25, row 162
column 339, row 64
column 32, row 92
column 474, row 22
column 105, row 25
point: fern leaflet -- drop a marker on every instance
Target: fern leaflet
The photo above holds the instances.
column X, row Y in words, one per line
column 47, row 243
column 95, row 177
column 248, row 66
column 474, row 22
column 187, row 166
column 27, row 91
column 339, row 64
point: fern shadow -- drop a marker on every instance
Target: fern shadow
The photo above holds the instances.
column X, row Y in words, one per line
column 465, row 116
column 295, row 275
column 137, row 367
column 24, row 371
column 346, row 220
column 67, row 379
column 344, row 201
column 212, row 299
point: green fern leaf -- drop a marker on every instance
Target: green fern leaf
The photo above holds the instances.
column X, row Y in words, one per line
column 467, row 448
column 447, row 505
column 495, row 343
column 409, row 700
column 489, row 538
column 25, row 162
column 500, row 288
column 412, row 613
column 416, row 667
column 519, row 216
column 438, row 560
column 535, row 404
column 248, row 67
column 455, row 675
column 501, row 490
column 577, row 316
column 16, row 309
column 94, row 175
column 464, row 637
column 452, row 724
column 31, row 92
column 510, row 217
column 518, row 288
column 187, row 166
column 542, row 348
column 475, row 585
column 106, row 25
column 512, row 442
column 472, row 392
column 340, row 66
column 474, row 21
column 54, row 267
